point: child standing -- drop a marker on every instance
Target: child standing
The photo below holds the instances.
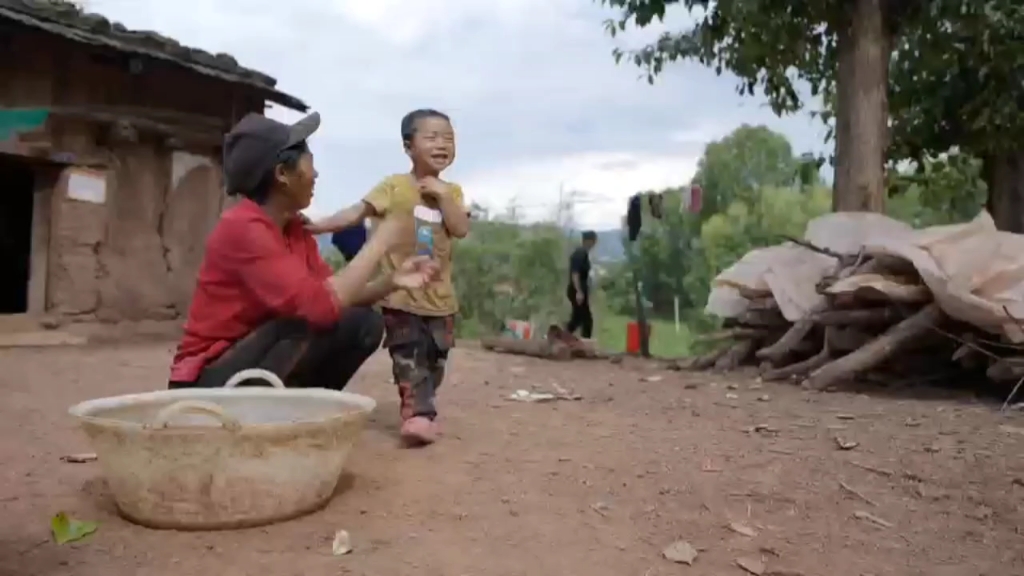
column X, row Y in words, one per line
column 419, row 323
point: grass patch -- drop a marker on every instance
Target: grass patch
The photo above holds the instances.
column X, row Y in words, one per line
column 610, row 333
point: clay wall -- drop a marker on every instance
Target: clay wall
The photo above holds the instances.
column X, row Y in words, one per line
column 132, row 254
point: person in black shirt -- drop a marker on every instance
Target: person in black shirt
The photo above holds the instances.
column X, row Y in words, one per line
column 578, row 290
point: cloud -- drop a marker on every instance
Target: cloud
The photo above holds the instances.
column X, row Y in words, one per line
column 535, row 96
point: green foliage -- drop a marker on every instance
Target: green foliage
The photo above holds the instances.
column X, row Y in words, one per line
column 941, row 190
column 504, row 270
column 955, row 69
column 334, row 258
column 767, row 44
column 956, row 80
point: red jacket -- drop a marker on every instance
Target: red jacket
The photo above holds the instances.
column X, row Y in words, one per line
column 252, row 272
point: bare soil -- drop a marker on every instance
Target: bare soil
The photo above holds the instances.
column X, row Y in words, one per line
column 598, row 486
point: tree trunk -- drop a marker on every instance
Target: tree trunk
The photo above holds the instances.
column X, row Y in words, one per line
column 1004, row 175
column 862, row 108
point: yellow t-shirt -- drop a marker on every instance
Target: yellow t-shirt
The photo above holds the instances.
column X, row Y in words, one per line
column 400, row 193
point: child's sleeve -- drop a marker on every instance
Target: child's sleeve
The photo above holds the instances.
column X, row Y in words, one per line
column 458, row 197
column 380, row 197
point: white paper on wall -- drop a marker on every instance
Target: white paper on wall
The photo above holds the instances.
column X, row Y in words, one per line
column 87, row 186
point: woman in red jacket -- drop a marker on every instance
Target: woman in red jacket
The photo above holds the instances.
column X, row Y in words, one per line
column 264, row 297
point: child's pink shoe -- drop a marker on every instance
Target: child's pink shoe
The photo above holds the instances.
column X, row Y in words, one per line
column 419, row 431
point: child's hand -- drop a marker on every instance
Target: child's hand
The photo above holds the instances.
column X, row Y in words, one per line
column 433, row 188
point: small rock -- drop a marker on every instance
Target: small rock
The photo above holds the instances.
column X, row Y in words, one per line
column 756, row 386
column 51, row 323
column 764, row 398
column 911, row 423
column 846, row 444
column 690, row 386
column 846, row 417
column 342, row 543
column 652, row 378
column 751, row 565
column 680, row 552
column 731, row 396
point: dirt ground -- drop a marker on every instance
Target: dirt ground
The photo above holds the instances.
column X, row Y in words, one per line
column 599, row 487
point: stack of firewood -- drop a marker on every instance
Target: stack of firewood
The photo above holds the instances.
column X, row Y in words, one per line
column 876, row 317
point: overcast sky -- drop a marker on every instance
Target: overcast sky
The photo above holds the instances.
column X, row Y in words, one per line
column 535, row 97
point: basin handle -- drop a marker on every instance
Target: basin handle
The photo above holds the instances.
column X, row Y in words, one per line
column 251, row 373
column 163, row 417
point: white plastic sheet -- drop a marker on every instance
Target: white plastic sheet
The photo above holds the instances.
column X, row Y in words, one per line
column 974, row 272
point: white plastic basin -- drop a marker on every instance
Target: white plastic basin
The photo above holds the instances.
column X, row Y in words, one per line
column 205, row 459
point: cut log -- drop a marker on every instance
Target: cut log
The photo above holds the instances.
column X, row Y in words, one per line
column 843, row 339
column 804, row 367
column 969, row 355
column 752, row 294
column 1006, row 370
column 857, row 317
column 761, row 318
column 552, row 350
column 735, row 355
column 738, row 334
column 708, row 360
column 876, row 351
column 791, row 339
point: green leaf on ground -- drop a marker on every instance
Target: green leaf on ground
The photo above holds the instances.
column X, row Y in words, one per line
column 66, row 529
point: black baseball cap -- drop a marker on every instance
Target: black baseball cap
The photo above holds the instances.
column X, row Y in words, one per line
column 252, row 147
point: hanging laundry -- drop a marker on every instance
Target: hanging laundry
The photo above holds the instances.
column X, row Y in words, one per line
column 633, row 216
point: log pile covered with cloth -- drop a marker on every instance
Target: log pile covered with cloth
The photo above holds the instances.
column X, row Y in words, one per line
column 863, row 295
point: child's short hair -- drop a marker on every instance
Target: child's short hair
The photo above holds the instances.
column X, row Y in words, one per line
column 410, row 119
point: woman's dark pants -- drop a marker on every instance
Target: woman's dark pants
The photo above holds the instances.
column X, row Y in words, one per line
column 301, row 356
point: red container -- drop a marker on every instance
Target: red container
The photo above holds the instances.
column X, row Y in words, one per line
column 633, row 337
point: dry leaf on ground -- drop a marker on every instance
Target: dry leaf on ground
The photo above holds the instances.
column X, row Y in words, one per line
column 752, row 565
column 742, row 529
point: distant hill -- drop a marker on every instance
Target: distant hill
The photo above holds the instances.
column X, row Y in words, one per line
column 608, row 249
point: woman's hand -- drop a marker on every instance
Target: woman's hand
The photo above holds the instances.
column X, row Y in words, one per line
column 415, row 273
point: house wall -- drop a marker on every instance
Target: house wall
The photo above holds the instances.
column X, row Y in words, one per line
column 134, row 254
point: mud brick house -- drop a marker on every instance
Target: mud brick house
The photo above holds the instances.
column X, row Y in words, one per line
column 109, row 162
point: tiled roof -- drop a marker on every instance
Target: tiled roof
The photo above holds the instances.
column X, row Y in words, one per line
column 69, row 21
